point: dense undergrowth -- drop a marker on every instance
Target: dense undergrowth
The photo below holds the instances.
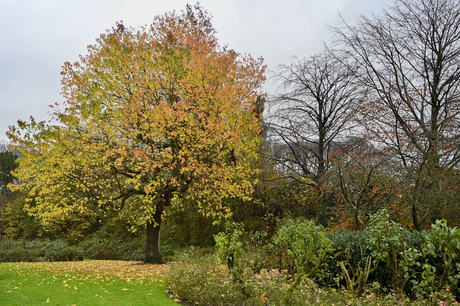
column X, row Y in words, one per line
column 45, row 250
column 199, row 278
column 302, row 264
column 298, row 263
column 60, row 250
column 110, row 242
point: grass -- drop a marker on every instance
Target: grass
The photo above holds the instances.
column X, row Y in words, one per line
column 82, row 283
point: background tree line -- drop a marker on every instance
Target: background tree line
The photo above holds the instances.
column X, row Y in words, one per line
column 373, row 120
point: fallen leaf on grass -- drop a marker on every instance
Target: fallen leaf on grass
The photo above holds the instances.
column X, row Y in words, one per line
column 124, row 270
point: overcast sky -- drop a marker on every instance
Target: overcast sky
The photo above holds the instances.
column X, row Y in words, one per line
column 38, row 36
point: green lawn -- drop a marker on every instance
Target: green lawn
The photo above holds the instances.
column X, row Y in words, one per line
column 82, row 283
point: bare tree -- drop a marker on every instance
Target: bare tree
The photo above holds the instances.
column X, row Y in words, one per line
column 312, row 112
column 313, row 108
column 409, row 60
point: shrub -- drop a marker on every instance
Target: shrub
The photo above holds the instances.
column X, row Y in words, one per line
column 203, row 281
column 388, row 242
column 112, row 248
column 20, row 254
column 346, row 242
column 43, row 250
column 404, row 264
column 230, row 244
column 437, row 262
column 306, row 243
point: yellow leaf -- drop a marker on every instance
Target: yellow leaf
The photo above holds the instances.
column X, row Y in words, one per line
column 263, row 298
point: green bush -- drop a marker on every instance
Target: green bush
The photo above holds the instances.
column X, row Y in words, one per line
column 111, row 243
column 345, row 240
column 230, row 244
column 110, row 249
column 39, row 250
column 243, row 251
column 59, row 250
column 203, row 280
column 200, row 279
column 307, row 244
column 20, row 254
column 437, row 261
column 418, row 263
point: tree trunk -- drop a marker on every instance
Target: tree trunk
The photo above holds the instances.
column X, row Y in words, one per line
column 356, row 216
column 152, row 243
column 417, row 225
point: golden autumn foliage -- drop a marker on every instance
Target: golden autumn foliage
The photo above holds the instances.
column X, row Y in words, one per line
column 152, row 117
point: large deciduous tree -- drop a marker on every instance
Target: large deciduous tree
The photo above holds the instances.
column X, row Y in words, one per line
column 312, row 112
column 314, row 107
column 409, row 61
column 153, row 117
